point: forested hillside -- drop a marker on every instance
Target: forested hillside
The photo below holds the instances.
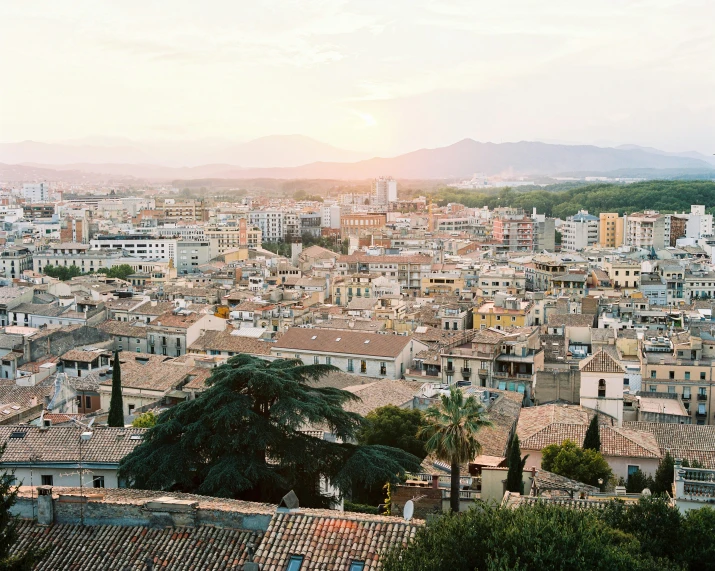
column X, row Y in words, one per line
column 662, row 195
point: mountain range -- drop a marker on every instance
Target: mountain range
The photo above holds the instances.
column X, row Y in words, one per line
column 296, row 156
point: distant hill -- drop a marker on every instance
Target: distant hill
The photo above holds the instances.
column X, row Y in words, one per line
column 458, row 161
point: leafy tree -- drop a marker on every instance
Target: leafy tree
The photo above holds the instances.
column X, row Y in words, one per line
column 10, row 559
column 540, row 536
column 394, row 426
column 592, row 440
column 146, row 420
column 244, row 437
column 664, row 475
column 567, row 459
column 116, row 403
column 638, row 481
column 699, row 530
column 63, row 273
column 122, row 271
column 451, row 432
column 515, row 476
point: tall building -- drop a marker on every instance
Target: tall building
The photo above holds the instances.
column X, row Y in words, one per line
column 330, row 216
column 610, row 231
column 272, row 223
column 36, row 192
column 232, row 236
column 579, row 231
column 648, row 229
column 515, row 232
column 699, row 224
column 384, row 191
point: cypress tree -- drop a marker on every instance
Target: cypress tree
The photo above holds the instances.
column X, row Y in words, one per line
column 116, row 405
column 592, row 440
column 514, row 478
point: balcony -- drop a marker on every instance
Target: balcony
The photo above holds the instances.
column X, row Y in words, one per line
column 466, row 371
column 702, row 397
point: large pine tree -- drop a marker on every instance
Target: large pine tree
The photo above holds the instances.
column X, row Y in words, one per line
column 246, row 437
column 592, row 440
column 514, row 478
column 116, row 404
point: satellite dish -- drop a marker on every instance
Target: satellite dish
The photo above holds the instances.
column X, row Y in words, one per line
column 409, row 510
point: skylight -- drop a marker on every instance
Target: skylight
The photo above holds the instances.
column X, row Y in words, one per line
column 314, row 337
column 339, row 338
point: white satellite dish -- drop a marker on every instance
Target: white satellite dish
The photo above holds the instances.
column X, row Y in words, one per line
column 408, row 510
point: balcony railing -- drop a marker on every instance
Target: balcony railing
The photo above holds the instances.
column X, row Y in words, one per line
column 702, row 397
column 507, row 375
column 466, row 371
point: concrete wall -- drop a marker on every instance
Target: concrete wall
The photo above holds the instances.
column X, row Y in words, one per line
column 554, row 385
column 66, row 475
column 61, row 341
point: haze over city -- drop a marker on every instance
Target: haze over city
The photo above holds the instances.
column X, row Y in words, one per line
column 373, row 78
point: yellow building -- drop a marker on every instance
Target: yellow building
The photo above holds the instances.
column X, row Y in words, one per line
column 503, row 312
column 610, row 230
column 443, row 283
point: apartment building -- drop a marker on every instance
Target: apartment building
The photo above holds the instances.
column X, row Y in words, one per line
column 191, row 255
column 172, row 332
column 361, row 224
column 407, row 270
column 347, row 288
column 503, row 312
column 384, row 191
column 647, row 230
column 15, row 260
column 36, row 192
column 138, row 245
column 231, row 236
column 185, row 210
column 579, row 231
column 273, row 224
column 501, row 279
column 513, row 233
column 623, row 273
column 610, row 230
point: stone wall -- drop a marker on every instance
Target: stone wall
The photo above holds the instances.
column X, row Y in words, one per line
column 552, row 385
column 60, row 341
column 429, row 500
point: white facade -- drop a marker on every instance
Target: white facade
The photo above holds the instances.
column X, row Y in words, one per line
column 36, row 192
column 272, row 224
column 602, row 380
column 384, row 191
column 140, row 246
column 330, row 216
column 579, row 232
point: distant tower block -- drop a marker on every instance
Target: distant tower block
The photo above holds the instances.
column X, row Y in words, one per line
column 296, row 247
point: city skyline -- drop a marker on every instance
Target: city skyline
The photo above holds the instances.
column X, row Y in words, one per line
column 379, row 79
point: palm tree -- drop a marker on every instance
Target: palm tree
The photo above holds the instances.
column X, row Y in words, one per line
column 451, row 432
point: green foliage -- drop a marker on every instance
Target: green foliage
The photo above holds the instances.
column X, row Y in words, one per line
column 26, row 560
column 327, row 242
column 540, row 536
column 694, row 464
column 698, row 531
column 638, row 481
column 360, row 508
column 567, row 459
column 662, row 195
column 122, row 271
column 243, row 438
column 394, row 426
column 63, row 273
column 116, row 403
column 664, row 475
column 514, row 478
column 592, row 440
column 146, row 420
column 278, row 248
column 450, row 432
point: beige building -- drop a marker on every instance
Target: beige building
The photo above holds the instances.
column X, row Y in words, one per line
column 225, row 238
column 610, row 230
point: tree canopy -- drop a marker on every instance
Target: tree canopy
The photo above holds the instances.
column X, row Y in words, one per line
column 569, row 460
column 394, row 426
column 245, row 437
column 63, row 273
column 145, row 420
column 122, row 271
column 647, row 535
column 515, row 475
column 116, row 403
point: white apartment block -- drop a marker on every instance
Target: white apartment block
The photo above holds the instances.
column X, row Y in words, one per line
column 648, row 230
column 384, row 191
column 36, row 192
column 330, row 216
column 138, row 245
column 272, row 224
column 580, row 231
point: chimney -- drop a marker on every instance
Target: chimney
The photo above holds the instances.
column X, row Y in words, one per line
column 435, row 481
column 45, row 508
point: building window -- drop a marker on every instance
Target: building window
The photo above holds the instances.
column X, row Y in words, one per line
column 295, row 563
column 702, row 376
column 98, row 481
column 601, row 388
column 652, row 374
column 687, row 375
column 363, row 366
column 87, row 402
column 47, row 480
column 383, row 368
column 671, row 389
column 626, row 381
column 357, row 566
column 316, row 360
column 350, row 366
column 671, row 374
column 653, row 388
column 327, row 361
column 632, row 470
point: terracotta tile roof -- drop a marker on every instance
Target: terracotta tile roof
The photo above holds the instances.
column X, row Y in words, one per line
column 691, row 441
column 503, row 414
column 351, row 342
column 330, row 542
column 570, row 320
column 152, row 372
column 77, row 355
column 124, row 328
column 351, row 324
column 224, row 341
column 616, row 442
column 148, row 309
column 380, row 393
column 61, row 443
column 130, row 547
column 180, row 320
column 601, row 362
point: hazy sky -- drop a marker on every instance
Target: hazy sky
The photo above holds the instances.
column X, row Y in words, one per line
column 385, row 76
